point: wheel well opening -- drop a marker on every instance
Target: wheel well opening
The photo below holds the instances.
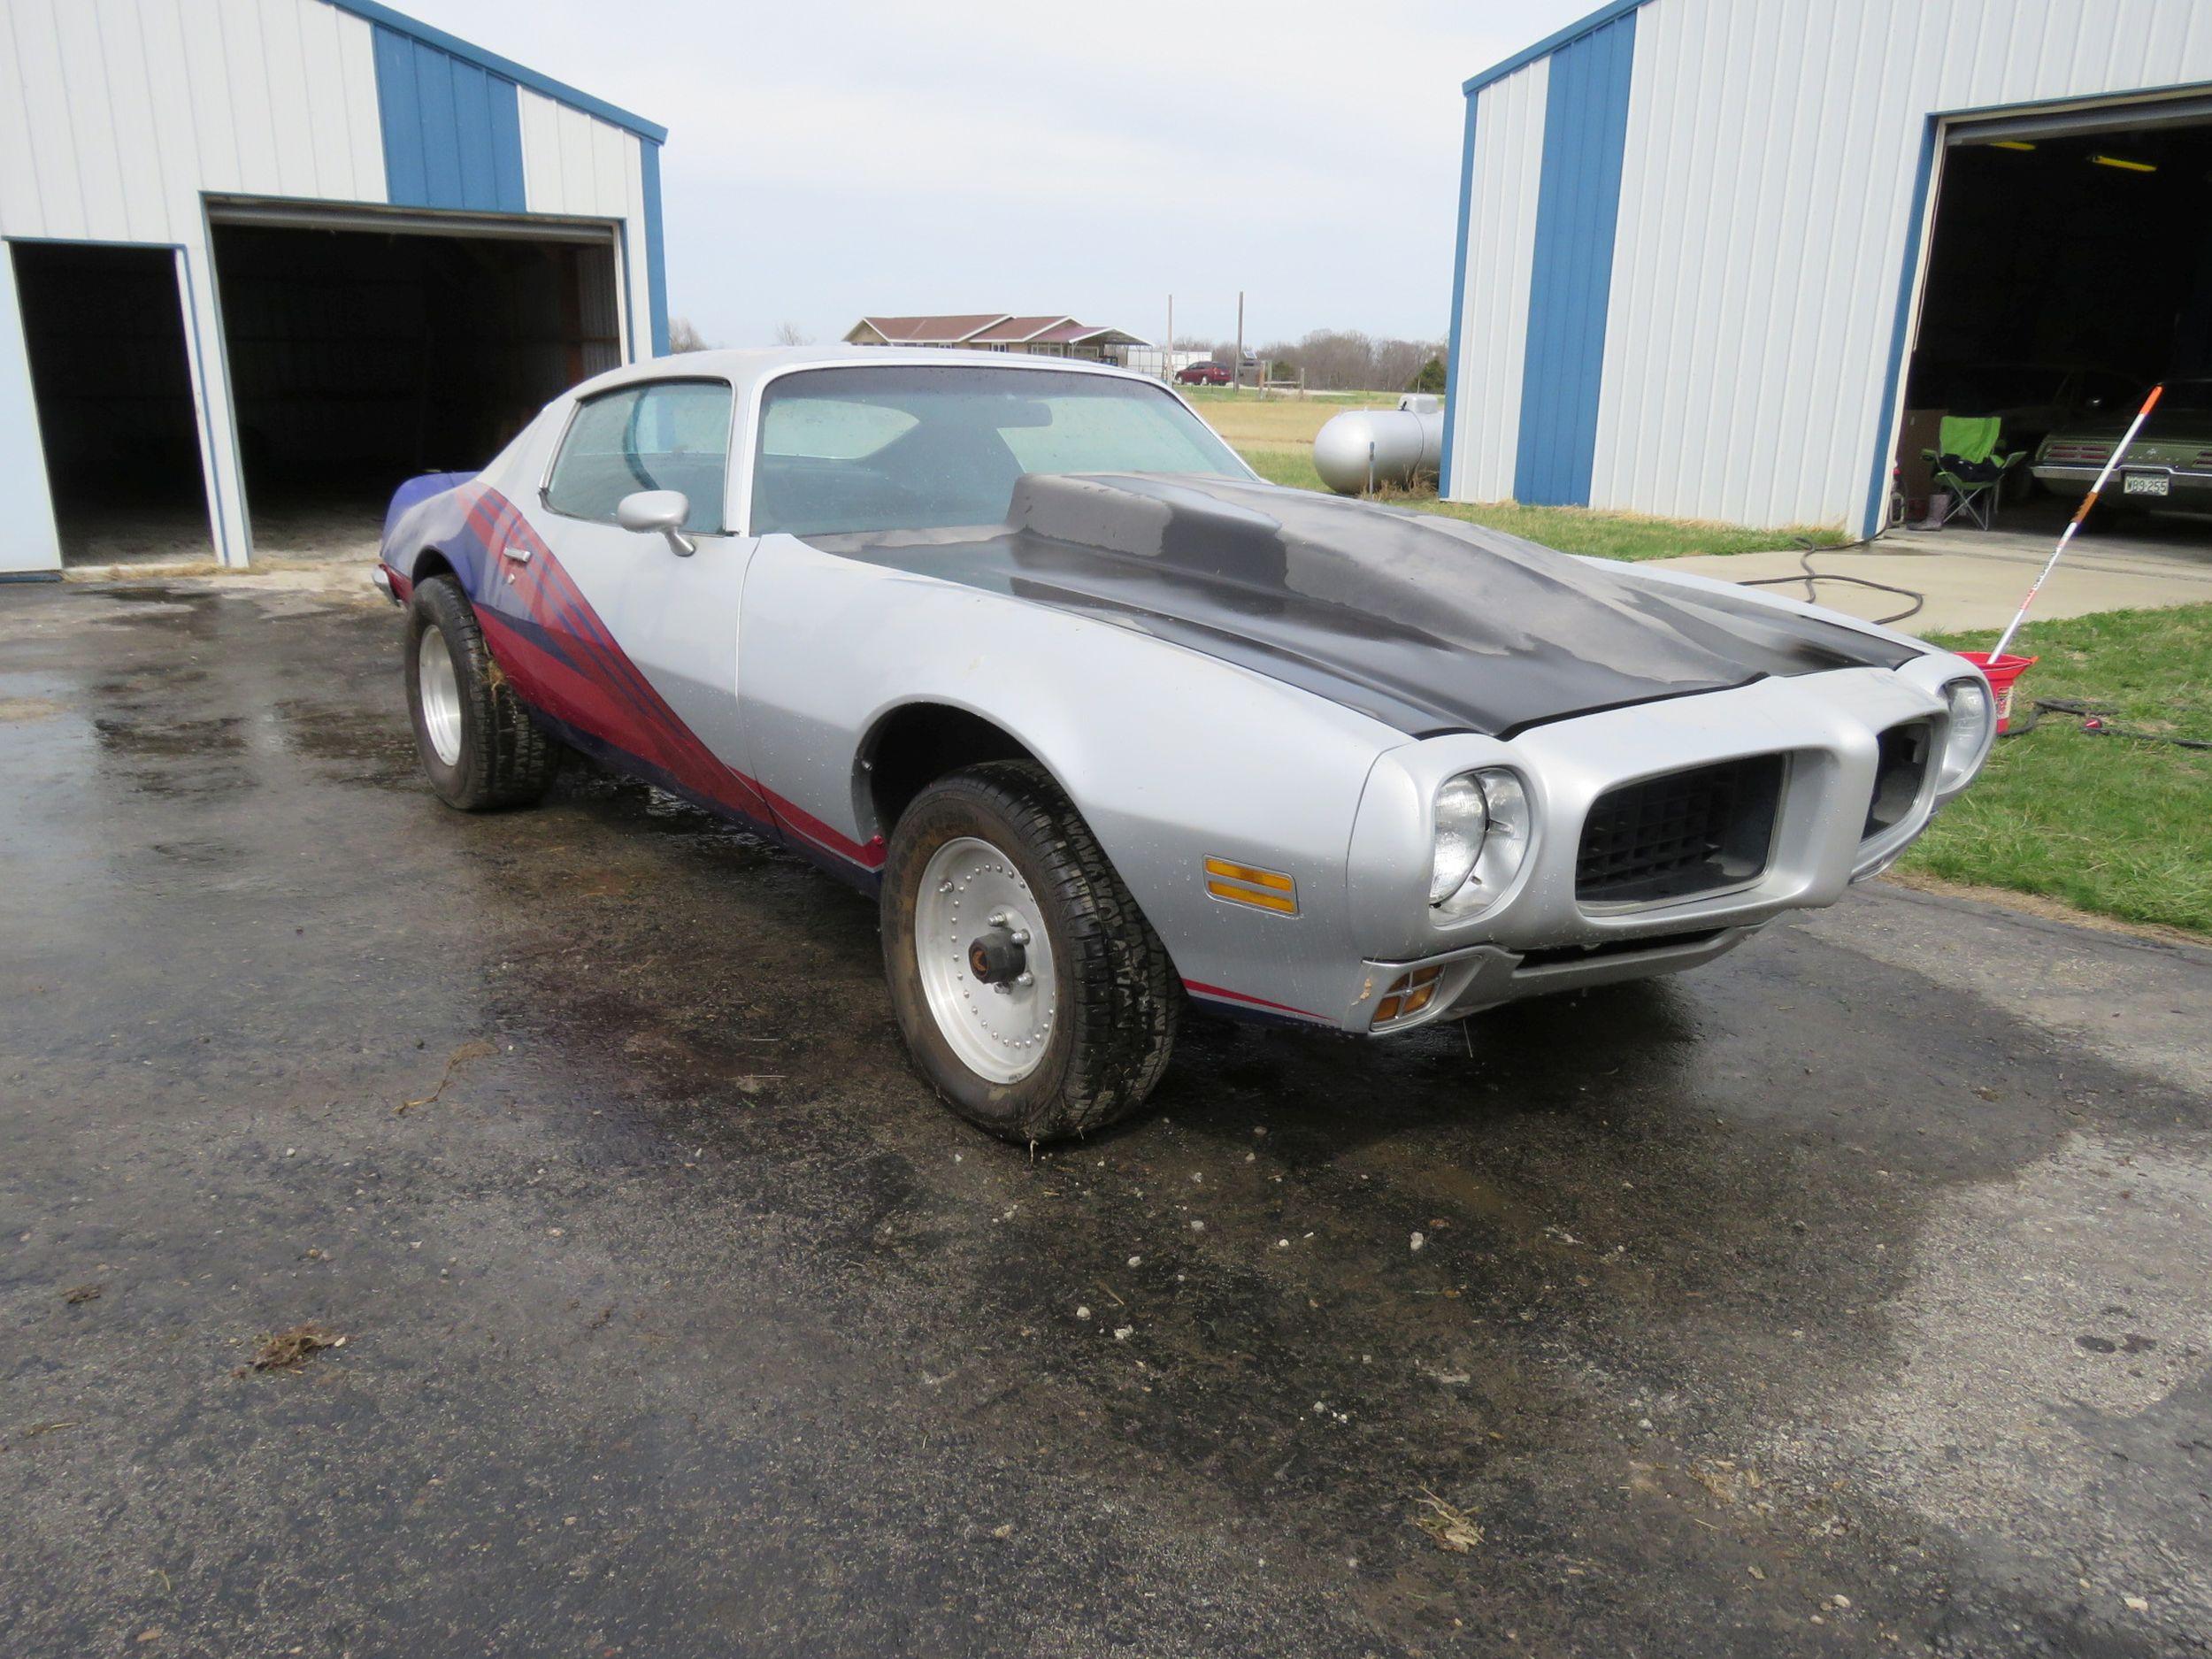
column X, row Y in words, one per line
column 913, row 747
column 430, row 564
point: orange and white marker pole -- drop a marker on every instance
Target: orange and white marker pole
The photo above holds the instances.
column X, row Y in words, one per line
column 2081, row 512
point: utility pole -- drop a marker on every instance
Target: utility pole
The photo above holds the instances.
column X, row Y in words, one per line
column 1239, row 336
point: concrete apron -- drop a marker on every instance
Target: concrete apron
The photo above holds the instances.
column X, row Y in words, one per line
column 1975, row 578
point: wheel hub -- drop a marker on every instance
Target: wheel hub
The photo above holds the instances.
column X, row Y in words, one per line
column 439, row 683
column 995, row 959
column 986, row 960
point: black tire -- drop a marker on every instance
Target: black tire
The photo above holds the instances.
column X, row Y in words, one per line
column 503, row 759
column 1118, row 1000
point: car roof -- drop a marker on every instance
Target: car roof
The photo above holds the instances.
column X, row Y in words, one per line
column 746, row 368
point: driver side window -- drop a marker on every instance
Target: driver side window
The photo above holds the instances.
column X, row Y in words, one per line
column 667, row 434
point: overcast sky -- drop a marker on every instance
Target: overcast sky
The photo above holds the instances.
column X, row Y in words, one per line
column 832, row 158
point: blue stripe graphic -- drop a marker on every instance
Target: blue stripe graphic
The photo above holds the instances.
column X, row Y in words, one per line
column 1578, row 208
column 1871, row 521
column 452, row 129
column 1446, row 484
column 655, row 260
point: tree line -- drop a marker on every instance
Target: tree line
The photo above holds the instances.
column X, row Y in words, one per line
column 1344, row 360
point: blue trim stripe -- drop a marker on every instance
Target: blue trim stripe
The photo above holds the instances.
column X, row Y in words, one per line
column 1870, row 523
column 453, row 46
column 452, row 129
column 1544, row 48
column 1459, row 298
column 656, row 261
column 1570, row 279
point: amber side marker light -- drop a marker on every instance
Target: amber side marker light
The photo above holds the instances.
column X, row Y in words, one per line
column 2125, row 164
column 1408, row 993
column 1248, row 884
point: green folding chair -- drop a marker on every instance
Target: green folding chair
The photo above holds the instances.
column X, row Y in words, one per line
column 1965, row 462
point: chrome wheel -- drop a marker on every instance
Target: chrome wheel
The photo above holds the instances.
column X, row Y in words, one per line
column 441, row 689
column 986, row 959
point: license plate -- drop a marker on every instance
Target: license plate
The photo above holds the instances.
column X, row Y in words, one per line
column 2146, row 484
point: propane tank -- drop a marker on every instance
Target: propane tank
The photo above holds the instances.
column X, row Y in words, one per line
column 1381, row 446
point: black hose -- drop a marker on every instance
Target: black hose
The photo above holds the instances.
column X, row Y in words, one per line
column 1812, row 576
column 2097, row 721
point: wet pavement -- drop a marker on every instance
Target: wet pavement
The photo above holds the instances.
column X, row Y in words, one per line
column 1853, row 1295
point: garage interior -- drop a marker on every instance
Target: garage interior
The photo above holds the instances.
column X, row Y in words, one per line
column 103, row 329
column 359, row 357
column 2071, row 260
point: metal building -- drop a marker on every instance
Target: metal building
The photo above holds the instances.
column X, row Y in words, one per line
column 1710, row 249
column 267, row 256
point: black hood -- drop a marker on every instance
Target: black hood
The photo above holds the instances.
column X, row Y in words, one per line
column 1427, row 624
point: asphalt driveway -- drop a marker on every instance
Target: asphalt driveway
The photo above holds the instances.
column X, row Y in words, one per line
column 1852, row 1296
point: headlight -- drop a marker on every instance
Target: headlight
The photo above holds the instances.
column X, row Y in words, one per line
column 1482, row 834
column 1969, row 702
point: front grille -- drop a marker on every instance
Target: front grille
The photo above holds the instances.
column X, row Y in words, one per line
column 1686, row 833
column 1903, row 764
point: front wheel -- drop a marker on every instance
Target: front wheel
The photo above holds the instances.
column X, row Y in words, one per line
column 1029, row 986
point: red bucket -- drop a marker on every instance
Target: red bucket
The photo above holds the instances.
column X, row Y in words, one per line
column 2003, row 674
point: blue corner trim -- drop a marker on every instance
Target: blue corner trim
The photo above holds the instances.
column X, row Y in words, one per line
column 452, row 129
column 453, row 46
column 1549, row 44
column 1924, row 177
column 656, row 259
column 1445, row 481
column 1571, row 275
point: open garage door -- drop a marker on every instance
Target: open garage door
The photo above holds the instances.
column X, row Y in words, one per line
column 2070, row 266
column 364, row 349
column 117, row 429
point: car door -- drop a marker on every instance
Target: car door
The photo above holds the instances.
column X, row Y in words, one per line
column 647, row 620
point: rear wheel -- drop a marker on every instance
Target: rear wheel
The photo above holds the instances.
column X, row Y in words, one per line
column 479, row 748
column 1029, row 986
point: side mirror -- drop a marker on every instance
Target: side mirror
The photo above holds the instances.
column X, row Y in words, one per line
column 659, row 511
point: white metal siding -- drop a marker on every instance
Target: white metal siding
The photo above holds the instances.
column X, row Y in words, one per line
column 1500, row 244
column 1767, row 184
column 117, row 116
column 585, row 169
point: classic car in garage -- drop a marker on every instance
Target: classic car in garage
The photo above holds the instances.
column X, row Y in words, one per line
column 2168, row 466
column 1107, row 723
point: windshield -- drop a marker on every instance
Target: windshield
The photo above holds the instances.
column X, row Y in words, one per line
column 915, row 447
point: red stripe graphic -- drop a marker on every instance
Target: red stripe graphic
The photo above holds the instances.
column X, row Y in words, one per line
column 579, row 674
column 1225, row 995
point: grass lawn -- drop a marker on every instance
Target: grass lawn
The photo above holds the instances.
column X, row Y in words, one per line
column 2103, row 823
column 1275, row 436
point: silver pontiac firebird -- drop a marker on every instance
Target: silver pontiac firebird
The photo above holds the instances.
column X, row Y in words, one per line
column 1107, row 722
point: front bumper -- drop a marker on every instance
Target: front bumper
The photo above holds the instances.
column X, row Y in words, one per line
column 1485, row 976
column 2182, row 487
column 1541, row 935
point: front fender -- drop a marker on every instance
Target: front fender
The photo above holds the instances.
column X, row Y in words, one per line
column 1172, row 756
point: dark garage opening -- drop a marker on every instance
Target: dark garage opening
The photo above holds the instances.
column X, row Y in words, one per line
column 105, row 331
column 2071, row 267
column 360, row 358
